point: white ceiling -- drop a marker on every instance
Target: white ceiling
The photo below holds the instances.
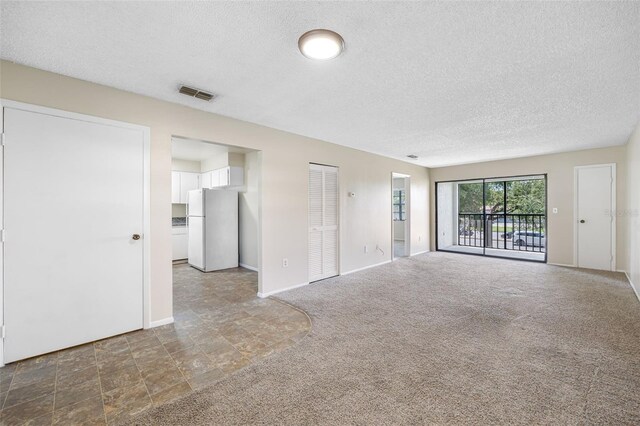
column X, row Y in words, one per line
column 451, row 82
column 195, row 150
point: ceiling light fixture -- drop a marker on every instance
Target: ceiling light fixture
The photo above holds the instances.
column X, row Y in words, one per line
column 321, row 44
column 413, row 156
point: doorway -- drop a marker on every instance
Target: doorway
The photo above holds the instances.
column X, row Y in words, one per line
column 215, row 205
column 595, row 219
column 400, row 220
column 500, row 217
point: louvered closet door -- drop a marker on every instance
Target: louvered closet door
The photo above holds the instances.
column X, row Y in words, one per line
column 323, row 222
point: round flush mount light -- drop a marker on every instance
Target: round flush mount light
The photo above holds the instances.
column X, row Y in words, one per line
column 321, row 44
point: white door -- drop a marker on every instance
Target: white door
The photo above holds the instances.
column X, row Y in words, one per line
column 73, row 200
column 323, row 222
column 595, row 218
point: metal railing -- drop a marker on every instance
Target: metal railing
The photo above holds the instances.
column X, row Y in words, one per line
column 520, row 232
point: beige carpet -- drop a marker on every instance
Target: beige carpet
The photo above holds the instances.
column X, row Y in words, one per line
column 448, row 339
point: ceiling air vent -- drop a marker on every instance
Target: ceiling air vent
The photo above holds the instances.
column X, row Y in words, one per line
column 412, row 156
column 196, row 93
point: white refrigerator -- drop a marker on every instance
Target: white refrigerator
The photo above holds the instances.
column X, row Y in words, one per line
column 213, row 229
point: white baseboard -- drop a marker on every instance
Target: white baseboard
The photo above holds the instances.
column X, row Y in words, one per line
column 366, row 267
column 271, row 293
column 163, row 321
column 635, row 290
column 561, row 264
column 251, row 268
column 420, row 252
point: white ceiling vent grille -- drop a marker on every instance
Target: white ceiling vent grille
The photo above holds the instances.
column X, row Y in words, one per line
column 196, row 93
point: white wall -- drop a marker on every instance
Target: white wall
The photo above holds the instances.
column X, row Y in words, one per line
column 249, row 209
column 285, row 164
column 632, row 211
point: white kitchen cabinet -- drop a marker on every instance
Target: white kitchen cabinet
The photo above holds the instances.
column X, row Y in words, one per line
column 175, row 187
column 188, row 182
column 205, row 180
column 180, row 242
column 181, row 184
column 215, row 179
column 231, row 176
column 226, row 176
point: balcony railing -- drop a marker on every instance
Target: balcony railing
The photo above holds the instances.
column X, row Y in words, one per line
column 520, row 232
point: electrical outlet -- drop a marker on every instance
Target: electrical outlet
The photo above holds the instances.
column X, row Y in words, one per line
column 366, row 249
column 285, row 262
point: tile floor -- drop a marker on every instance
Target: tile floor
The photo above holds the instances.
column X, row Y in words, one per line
column 220, row 326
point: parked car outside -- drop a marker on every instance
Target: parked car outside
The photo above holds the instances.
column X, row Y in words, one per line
column 529, row 238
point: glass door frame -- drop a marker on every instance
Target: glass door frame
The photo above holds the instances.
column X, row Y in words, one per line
column 485, row 214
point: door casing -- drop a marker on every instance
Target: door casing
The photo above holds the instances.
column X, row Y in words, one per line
column 407, row 221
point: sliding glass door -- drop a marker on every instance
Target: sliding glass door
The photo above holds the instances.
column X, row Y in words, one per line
column 503, row 217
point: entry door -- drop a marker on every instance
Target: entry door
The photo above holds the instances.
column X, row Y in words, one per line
column 323, row 222
column 595, row 218
column 73, row 200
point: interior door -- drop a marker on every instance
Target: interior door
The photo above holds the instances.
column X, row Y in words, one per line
column 73, row 200
column 595, row 228
column 323, row 222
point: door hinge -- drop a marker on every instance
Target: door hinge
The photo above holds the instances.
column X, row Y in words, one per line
column 2, row 139
column 2, row 332
column 2, row 232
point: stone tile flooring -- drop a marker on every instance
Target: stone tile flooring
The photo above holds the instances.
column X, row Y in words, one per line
column 220, row 326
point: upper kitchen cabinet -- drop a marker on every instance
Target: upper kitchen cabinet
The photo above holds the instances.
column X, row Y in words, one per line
column 231, row 176
column 223, row 177
column 181, row 184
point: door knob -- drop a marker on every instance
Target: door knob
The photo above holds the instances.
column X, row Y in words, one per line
column 136, row 236
column 582, row 220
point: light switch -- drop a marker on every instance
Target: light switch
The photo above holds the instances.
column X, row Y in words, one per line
column 555, row 210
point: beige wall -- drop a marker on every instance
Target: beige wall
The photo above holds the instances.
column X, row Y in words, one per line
column 632, row 212
column 178, row 210
column 560, row 175
column 222, row 160
column 185, row 165
column 285, row 159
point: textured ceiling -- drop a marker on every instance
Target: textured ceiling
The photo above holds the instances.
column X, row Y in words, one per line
column 451, row 82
